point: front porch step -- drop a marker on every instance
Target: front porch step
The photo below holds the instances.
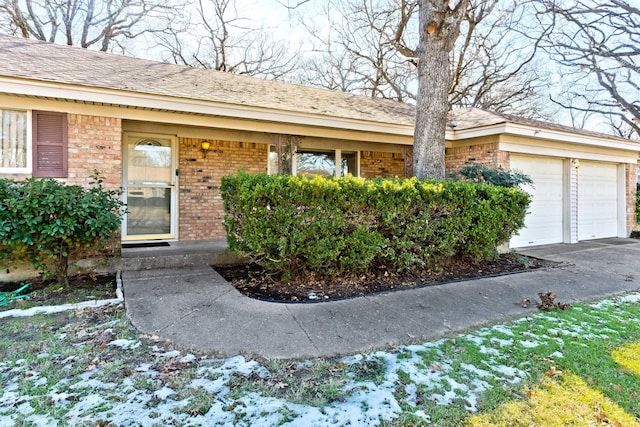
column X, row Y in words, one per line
column 178, row 254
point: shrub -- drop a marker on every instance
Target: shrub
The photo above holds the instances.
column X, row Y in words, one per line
column 42, row 220
column 499, row 177
column 339, row 225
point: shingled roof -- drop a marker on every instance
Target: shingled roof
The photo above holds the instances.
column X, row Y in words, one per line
column 47, row 62
column 76, row 67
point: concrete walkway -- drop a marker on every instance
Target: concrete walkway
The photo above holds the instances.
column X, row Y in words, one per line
column 196, row 308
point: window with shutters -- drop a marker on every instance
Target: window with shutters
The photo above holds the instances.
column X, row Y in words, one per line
column 15, row 133
column 49, row 144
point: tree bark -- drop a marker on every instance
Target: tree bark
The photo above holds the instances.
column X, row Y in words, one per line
column 439, row 23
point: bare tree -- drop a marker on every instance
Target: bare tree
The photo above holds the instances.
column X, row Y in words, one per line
column 371, row 48
column 597, row 43
column 102, row 24
column 215, row 35
column 495, row 62
column 360, row 52
column 439, row 28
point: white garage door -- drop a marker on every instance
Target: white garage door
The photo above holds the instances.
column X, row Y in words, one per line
column 597, row 200
column 543, row 223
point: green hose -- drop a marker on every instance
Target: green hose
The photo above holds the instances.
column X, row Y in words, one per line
column 8, row 297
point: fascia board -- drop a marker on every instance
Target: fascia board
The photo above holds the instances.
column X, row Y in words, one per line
column 184, row 105
column 575, row 138
column 457, row 135
column 544, row 134
column 533, row 150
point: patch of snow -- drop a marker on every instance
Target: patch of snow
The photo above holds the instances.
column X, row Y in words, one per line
column 51, row 309
column 189, row 358
column 169, row 354
column 60, row 398
column 631, row 298
column 412, row 395
column 125, row 344
column 501, row 342
column 422, row 415
column 490, row 351
column 163, row 393
column 143, row 367
column 503, row 330
column 529, row 344
column 511, row 374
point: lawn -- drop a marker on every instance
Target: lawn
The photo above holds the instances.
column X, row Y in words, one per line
column 579, row 366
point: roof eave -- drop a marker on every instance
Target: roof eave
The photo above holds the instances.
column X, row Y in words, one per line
column 536, row 132
column 130, row 99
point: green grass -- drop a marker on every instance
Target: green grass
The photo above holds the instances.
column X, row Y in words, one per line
column 442, row 383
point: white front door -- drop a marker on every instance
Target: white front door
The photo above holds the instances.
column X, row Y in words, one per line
column 150, row 184
column 543, row 223
column 597, row 200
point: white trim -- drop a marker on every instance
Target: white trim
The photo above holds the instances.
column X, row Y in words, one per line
column 175, row 188
column 539, row 133
column 28, row 169
column 535, row 150
column 622, row 201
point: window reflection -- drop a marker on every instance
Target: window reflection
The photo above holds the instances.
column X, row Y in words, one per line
column 315, row 163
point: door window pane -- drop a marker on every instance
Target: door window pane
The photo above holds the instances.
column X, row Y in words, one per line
column 315, row 163
column 149, row 162
column 148, row 210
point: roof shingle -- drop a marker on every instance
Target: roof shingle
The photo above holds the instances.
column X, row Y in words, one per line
column 42, row 61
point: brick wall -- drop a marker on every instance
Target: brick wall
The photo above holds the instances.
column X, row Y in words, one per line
column 95, row 143
column 631, row 176
column 201, row 209
column 382, row 165
column 489, row 154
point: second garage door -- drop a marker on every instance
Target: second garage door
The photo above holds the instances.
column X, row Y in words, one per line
column 543, row 223
column 597, row 201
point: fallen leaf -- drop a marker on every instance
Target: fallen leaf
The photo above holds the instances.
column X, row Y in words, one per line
column 553, row 372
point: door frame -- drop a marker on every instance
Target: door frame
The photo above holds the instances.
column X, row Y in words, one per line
column 173, row 234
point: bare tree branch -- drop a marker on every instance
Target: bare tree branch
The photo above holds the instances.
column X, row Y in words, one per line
column 598, row 46
column 104, row 24
column 214, row 34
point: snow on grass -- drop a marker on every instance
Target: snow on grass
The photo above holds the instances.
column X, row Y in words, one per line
column 210, row 391
column 125, row 344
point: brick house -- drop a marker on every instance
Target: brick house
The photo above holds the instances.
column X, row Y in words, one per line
column 166, row 134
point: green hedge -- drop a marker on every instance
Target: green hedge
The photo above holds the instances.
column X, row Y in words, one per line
column 43, row 220
column 344, row 225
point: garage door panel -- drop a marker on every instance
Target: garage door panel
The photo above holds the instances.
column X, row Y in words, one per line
column 543, row 223
column 597, row 201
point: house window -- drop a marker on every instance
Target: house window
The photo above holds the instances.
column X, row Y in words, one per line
column 14, row 146
column 349, row 162
column 311, row 162
column 315, row 163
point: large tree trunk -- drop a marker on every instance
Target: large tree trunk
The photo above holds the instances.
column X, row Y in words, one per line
column 439, row 28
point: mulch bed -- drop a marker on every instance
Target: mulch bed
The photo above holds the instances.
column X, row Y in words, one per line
column 48, row 292
column 252, row 281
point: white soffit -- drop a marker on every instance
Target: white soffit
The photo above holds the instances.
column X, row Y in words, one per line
column 564, row 152
column 102, row 96
column 540, row 133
